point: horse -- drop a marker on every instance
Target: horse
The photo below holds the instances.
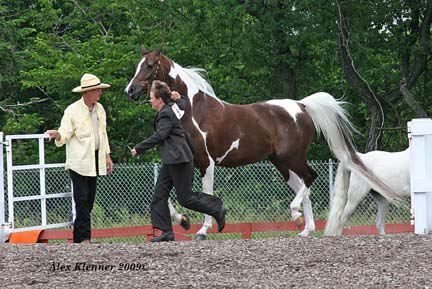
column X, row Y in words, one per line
column 233, row 135
column 350, row 188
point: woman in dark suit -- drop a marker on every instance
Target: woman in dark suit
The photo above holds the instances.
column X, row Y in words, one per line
column 177, row 164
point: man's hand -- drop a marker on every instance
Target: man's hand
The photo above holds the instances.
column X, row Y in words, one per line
column 175, row 95
column 133, row 152
column 52, row 133
column 109, row 164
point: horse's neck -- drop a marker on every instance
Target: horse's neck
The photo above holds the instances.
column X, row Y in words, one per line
column 193, row 93
column 188, row 82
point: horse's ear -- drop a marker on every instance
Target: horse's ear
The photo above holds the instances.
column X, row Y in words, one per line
column 159, row 50
column 143, row 50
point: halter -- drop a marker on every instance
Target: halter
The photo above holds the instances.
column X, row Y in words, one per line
column 152, row 76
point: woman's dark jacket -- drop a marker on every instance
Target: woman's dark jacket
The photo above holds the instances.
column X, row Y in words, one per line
column 169, row 135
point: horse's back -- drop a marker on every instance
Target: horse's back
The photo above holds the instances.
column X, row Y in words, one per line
column 293, row 129
column 274, row 116
column 391, row 167
column 382, row 160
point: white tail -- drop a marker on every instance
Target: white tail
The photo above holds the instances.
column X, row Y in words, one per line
column 329, row 117
column 334, row 225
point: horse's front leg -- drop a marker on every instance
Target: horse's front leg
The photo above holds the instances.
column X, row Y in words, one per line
column 207, row 187
column 175, row 217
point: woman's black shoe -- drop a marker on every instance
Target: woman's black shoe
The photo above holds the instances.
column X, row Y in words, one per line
column 185, row 222
column 165, row 237
column 221, row 219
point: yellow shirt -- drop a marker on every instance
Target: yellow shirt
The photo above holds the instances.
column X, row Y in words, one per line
column 77, row 133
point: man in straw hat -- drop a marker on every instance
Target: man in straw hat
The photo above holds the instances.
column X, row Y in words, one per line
column 83, row 130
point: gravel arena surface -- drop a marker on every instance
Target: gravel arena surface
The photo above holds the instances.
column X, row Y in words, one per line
column 397, row 261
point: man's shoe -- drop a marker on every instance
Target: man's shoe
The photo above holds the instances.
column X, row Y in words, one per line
column 165, row 237
column 221, row 219
column 89, row 242
column 185, row 222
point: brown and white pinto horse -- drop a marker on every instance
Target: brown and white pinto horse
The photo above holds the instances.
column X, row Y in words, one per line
column 236, row 135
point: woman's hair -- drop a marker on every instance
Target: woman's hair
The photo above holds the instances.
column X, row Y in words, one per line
column 161, row 90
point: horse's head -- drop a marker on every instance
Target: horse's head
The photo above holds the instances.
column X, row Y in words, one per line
column 148, row 69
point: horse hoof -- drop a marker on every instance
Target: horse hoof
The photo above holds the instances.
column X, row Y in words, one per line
column 200, row 237
column 299, row 221
column 304, row 234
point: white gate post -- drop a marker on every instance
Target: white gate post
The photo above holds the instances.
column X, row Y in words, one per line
column 4, row 227
column 2, row 195
column 420, row 136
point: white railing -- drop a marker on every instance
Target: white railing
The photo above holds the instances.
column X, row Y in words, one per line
column 42, row 196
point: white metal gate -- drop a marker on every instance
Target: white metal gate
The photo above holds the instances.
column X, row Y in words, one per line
column 42, row 196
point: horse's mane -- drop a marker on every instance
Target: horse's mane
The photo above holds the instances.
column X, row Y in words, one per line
column 195, row 75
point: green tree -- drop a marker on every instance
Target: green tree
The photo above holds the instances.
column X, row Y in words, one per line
column 252, row 51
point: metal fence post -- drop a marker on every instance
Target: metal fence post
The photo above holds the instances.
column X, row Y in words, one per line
column 42, row 180
column 155, row 173
column 331, row 179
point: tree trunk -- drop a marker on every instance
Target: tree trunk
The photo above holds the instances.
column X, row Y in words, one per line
column 359, row 84
column 374, row 130
column 288, row 82
column 409, row 99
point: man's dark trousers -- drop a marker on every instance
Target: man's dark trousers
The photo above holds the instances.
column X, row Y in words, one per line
column 179, row 176
column 84, row 194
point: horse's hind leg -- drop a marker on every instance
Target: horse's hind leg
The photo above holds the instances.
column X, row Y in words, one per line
column 308, row 213
column 297, row 185
column 302, row 195
column 383, row 207
column 357, row 191
column 307, row 175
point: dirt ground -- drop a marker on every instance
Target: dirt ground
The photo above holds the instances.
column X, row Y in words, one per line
column 403, row 261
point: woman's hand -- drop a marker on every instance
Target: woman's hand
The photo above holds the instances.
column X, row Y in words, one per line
column 175, row 95
column 109, row 164
column 133, row 152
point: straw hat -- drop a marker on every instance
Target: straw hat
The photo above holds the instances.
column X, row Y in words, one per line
column 89, row 82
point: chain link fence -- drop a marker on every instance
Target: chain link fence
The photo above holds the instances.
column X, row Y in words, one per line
column 253, row 193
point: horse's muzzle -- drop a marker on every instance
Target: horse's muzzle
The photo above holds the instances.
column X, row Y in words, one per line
column 133, row 96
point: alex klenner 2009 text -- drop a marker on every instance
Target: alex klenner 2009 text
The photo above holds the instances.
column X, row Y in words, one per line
column 84, row 266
